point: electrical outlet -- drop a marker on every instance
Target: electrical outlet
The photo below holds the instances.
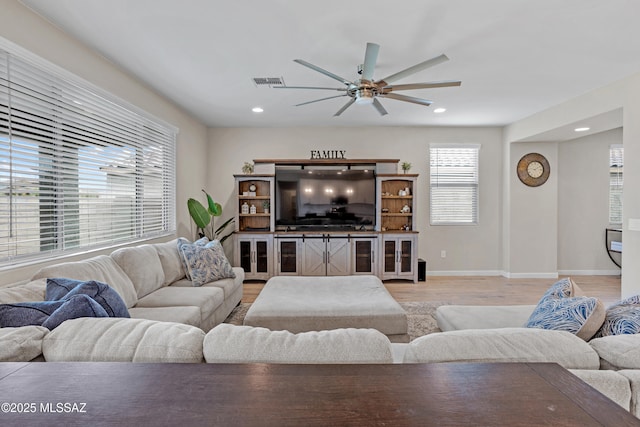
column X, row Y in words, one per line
column 443, row 254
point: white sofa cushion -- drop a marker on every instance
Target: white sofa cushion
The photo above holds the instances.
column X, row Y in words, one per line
column 123, row 340
column 189, row 315
column 229, row 286
column 613, row 385
column 21, row 344
column 247, row 344
column 142, row 265
column 207, row 299
column 503, row 345
column 27, row 292
column 170, row 260
column 101, row 268
column 618, row 351
column 456, row 317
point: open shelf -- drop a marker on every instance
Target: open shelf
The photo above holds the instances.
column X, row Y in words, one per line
column 393, row 200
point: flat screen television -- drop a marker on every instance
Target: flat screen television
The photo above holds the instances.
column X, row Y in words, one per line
column 331, row 199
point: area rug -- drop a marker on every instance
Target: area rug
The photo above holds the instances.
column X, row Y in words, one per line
column 420, row 316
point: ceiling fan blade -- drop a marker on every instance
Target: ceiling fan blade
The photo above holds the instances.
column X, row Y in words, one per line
column 370, row 59
column 412, row 70
column 379, row 107
column 321, row 99
column 421, row 85
column 322, row 71
column 340, row 89
column 347, row 105
column 407, row 99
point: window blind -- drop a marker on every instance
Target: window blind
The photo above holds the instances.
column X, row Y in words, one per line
column 453, row 184
column 616, row 163
column 78, row 169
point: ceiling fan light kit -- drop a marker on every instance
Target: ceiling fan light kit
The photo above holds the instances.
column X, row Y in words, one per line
column 366, row 90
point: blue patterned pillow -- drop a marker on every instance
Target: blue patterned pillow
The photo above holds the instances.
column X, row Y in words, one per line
column 206, row 263
column 622, row 318
column 581, row 316
column 182, row 241
column 563, row 288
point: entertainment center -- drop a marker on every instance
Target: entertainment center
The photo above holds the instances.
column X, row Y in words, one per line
column 326, row 217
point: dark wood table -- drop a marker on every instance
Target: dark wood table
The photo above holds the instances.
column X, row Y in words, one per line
column 301, row 395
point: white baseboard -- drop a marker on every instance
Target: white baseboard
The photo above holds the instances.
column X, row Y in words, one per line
column 525, row 275
column 466, row 273
column 590, row 272
column 530, row 275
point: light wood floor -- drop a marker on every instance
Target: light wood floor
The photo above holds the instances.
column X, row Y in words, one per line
column 482, row 290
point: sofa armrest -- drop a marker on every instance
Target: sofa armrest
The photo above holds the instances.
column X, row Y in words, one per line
column 21, row 344
column 506, row 345
column 123, row 340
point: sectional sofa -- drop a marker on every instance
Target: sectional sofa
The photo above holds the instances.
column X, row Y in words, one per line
column 151, row 281
column 173, row 326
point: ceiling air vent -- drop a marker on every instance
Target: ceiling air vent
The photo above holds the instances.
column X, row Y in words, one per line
column 268, row 81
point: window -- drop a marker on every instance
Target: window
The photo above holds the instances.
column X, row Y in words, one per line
column 454, row 184
column 616, row 160
column 79, row 169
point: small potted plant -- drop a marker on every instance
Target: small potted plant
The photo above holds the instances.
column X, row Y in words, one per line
column 405, row 166
column 265, row 206
column 247, row 168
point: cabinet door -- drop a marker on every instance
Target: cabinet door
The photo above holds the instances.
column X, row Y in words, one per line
column 405, row 261
column 390, row 257
column 399, row 258
column 314, row 257
column 261, row 256
column 338, row 256
column 363, row 256
column 288, row 257
column 254, row 254
column 246, row 252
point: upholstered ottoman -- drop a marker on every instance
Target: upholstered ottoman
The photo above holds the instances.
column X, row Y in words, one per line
column 301, row 304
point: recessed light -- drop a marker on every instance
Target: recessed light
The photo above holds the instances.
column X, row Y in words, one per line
column 439, row 110
column 581, row 129
column 257, row 109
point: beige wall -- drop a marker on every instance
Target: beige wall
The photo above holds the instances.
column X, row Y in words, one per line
column 623, row 94
column 583, row 203
column 533, row 234
column 27, row 30
column 470, row 249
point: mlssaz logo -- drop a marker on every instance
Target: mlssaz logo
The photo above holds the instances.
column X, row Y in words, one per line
column 328, row 154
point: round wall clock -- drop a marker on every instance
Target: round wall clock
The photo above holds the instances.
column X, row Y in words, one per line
column 252, row 187
column 533, row 169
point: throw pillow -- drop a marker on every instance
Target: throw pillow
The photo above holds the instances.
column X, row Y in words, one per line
column 563, row 288
column 103, row 294
column 206, row 263
column 182, row 241
column 581, row 316
column 622, row 318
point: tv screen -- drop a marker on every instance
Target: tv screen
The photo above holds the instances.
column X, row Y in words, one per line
column 325, row 199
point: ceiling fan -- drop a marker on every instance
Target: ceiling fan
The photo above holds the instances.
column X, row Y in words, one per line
column 365, row 90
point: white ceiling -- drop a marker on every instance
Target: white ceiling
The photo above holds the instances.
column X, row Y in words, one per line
column 514, row 57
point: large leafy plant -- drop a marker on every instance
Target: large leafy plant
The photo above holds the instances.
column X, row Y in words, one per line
column 203, row 218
